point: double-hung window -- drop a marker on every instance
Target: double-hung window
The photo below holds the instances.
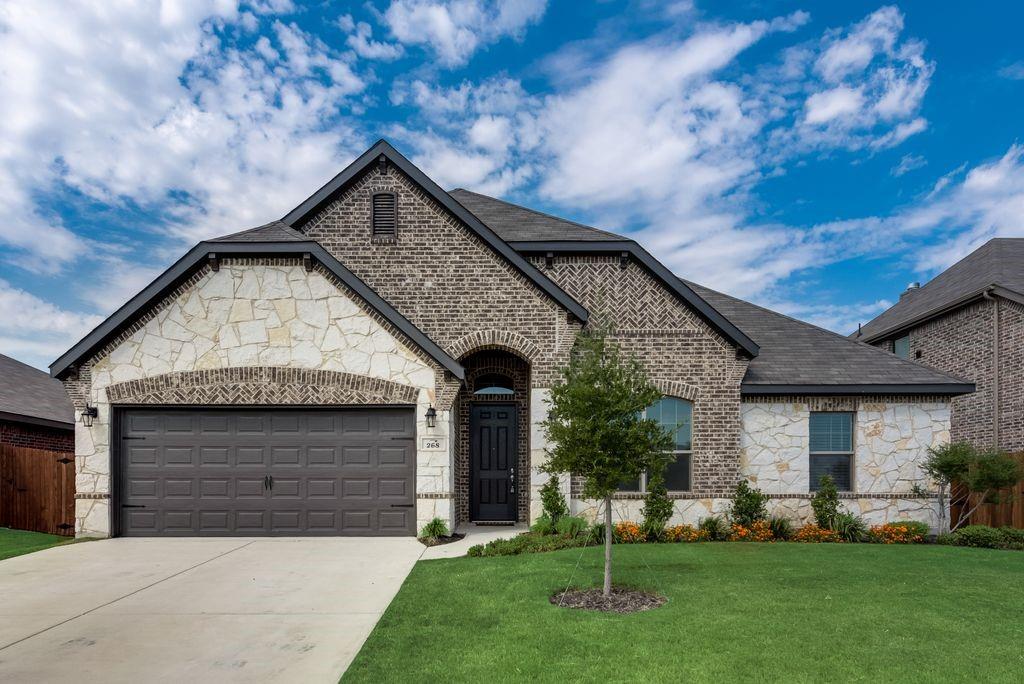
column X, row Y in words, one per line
column 831, row 449
column 901, row 347
column 676, row 417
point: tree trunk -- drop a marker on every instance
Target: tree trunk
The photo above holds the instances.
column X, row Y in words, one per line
column 943, row 510
column 607, row 546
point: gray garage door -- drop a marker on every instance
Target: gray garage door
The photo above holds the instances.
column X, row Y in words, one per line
column 218, row 472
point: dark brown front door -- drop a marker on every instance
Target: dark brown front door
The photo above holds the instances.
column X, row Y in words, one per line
column 493, row 446
column 267, row 472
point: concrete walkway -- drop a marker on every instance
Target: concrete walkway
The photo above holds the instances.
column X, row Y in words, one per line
column 196, row 610
column 475, row 534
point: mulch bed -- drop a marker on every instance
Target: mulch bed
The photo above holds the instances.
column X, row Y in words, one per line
column 437, row 541
column 622, row 600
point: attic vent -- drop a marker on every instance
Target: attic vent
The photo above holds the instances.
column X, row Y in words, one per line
column 385, row 215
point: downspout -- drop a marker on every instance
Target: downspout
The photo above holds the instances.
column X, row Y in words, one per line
column 995, row 366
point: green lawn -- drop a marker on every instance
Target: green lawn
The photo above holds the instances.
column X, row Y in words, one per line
column 18, row 542
column 736, row 612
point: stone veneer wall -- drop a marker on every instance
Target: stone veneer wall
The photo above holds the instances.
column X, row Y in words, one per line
column 225, row 337
column 683, row 355
column 892, row 435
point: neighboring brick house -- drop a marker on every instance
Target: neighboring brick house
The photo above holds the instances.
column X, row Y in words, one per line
column 969, row 322
column 34, row 409
column 384, row 353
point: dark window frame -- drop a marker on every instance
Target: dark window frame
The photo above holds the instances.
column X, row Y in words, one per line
column 387, row 234
column 494, row 384
column 850, row 454
column 641, row 482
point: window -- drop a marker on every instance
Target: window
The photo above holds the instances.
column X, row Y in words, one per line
column 901, row 347
column 384, row 215
column 493, row 383
column 676, row 416
column 831, row 449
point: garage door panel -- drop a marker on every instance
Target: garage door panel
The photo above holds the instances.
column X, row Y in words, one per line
column 205, row 472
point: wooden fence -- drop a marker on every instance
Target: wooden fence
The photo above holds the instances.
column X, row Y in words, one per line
column 1009, row 513
column 37, row 490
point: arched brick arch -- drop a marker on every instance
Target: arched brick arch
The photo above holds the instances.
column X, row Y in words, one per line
column 261, row 385
column 495, row 339
column 675, row 388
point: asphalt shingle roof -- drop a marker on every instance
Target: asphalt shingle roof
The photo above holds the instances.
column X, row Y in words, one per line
column 27, row 391
column 797, row 353
column 999, row 262
column 514, row 223
column 275, row 231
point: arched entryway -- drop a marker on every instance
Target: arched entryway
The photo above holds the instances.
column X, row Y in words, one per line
column 492, row 466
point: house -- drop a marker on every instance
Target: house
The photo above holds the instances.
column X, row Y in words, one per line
column 37, row 445
column 382, row 355
column 968, row 321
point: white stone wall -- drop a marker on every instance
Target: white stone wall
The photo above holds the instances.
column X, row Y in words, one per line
column 258, row 315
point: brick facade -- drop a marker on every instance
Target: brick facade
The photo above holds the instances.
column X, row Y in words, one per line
column 682, row 354
column 37, row 437
column 963, row 343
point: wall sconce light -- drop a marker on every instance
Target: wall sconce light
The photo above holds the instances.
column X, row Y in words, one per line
column 88, row 414
column 431, row 417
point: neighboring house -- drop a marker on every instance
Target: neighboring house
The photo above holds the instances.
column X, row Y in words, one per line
column 37, row 446
column 969, row 321
column 382, row 355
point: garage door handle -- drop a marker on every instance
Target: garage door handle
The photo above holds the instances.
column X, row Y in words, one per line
column 132, row 506
column 402, row 505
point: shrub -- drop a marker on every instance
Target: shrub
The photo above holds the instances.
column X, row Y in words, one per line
column 597, row 533
column 760, row 531
column 714, row 528
column 657, row 508
column 528, row 542
column 850, row 527
column 543, row 525
column 945, row 539
column 571, row 525
column 826, row 503
column 475, row 551
column 552, row 500
column 684, row 533
column 812, row 533
column 985, row 537
column 900, row 532
column 748, row 505
column 434, row 529
column 1014, row 537
column 627, row 532
column 782, row 528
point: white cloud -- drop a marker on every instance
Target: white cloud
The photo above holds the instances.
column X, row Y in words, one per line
column 455, row 29
column 1014, row 71
column 850, row 54
column 34, row 330
column 908, row 163
column 827, row 105
column 361, row 41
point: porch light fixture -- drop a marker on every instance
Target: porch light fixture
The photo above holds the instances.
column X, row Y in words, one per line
column 431, row 417
column 88, row 414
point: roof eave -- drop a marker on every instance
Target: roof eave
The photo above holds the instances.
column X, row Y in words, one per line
column 899, row 389
column 194, row 259
column 711, row 315
column 36, row 420
column 318, row 200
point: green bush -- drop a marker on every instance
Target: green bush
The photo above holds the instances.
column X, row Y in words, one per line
column 782, row 528
column 543, row 525
column 748, row 504
column 552, row 500
column 433, row 529
column 945, row 539
column 980, row 536
column 715, row 528
column 917, row 528
column 657, row 508
column 826, row 503
column 528, row 542
column 850, row 527
column 1014, row 537
column 572, row 526
column 475, row 551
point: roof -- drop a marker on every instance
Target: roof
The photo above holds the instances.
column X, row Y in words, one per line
column 275, row 231
column 515, row 223
column 202, row 253
column 800, row 358
column 382, row 150
column 999, row 263
column 29, row 395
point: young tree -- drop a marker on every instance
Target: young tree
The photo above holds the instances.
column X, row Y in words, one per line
column 985, row 475
column 947, row 465
column 596, row 424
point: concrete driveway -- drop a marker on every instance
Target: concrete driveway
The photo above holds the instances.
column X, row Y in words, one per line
column 196, row 610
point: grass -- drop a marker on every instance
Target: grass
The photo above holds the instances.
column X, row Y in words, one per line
column 19, row 542
column 741, row 611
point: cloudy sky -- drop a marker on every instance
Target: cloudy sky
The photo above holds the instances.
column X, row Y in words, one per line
column 811, row 157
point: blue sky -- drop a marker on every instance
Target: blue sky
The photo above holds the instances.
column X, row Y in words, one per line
column 811, row 157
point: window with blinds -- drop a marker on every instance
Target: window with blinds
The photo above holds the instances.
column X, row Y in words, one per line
column 385, row 215
column 831, row 449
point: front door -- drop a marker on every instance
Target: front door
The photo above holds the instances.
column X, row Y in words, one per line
column 493, row 449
